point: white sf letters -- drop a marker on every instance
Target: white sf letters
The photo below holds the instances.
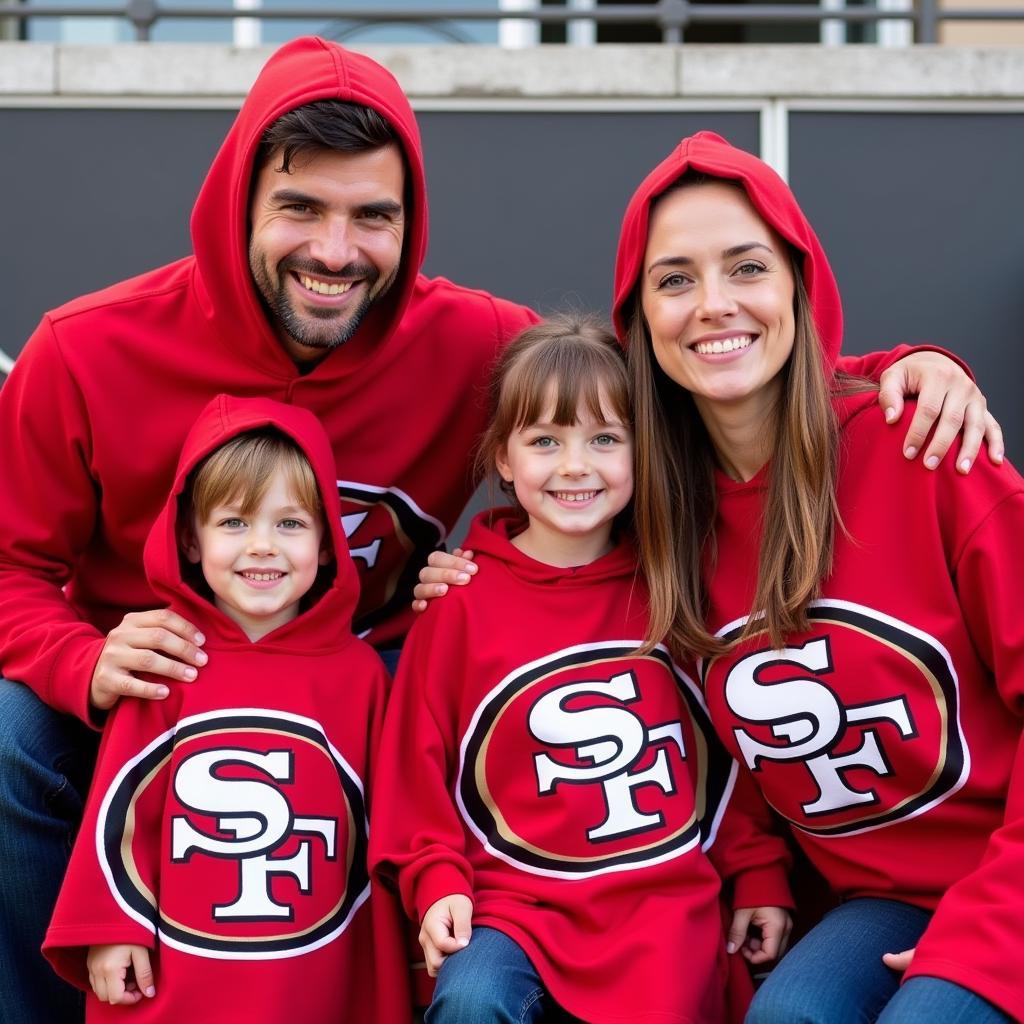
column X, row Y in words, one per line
column 808, row 716
column 612, row 739
column 259, row 818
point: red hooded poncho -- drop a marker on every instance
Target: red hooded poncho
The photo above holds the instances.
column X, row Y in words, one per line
column 887, row 733
column 226, row 827
column 534, row 762
column 105, row 391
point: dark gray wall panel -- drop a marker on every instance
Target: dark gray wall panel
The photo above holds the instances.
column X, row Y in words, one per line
column 921, row 214
column 527, row 205
column 91, row 197
column 919, row 211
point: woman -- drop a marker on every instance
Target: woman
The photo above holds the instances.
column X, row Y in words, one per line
column 855, row 619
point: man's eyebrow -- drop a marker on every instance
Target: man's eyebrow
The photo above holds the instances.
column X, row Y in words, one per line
column 385, row 207
column 291, row 195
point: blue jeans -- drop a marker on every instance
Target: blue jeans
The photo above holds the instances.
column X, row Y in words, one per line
column 390, row 658
column 927, row 1000
column 47, row 761
column 490, row 980
column 835, row 974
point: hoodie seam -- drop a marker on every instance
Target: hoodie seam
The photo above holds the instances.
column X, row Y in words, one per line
column 339, row 69
column 60, row 314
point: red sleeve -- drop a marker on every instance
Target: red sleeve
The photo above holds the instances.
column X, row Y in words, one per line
column 87, row 912
column 416, row 833
column 748, row 852
column 974, row 938
column 872, row 364
column 47, row 515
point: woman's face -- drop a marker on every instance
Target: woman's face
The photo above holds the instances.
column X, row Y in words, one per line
column 717, row 293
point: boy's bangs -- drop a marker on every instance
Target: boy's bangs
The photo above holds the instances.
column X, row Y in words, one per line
column 239, row 474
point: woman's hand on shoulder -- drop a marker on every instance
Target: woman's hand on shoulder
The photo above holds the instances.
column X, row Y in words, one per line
column 948, row 401
column 443, row 569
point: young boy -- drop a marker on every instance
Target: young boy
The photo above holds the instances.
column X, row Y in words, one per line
column 220, row 873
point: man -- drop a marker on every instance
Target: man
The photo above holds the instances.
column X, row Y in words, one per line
column 304, row 286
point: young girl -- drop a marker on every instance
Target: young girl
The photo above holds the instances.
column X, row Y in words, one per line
column 549, row 797
column 220, row 873
column 858, row 618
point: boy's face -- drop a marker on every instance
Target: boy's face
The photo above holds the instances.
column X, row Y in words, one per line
column 259, row 566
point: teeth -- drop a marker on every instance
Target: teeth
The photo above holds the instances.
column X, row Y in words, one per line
column 574, row 495
column 324, row 289
column 708, row 348
column 262, row 577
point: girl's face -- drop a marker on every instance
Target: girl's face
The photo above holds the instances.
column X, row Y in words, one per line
column 717, row 293
column 572, row 481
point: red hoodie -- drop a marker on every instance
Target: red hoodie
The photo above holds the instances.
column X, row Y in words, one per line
column 226, row 825
column 532, row 761
column 106, row 389
column 887, row 733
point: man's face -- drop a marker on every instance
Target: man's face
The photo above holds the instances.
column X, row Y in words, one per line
column 326, row 242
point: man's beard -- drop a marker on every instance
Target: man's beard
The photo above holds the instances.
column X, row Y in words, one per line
column 318, row 327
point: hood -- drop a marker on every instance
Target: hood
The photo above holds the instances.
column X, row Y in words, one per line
column 223, row 418
column 491, row 533
column 303, row 71
column 711, row 154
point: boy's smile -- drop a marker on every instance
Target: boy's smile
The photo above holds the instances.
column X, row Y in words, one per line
column 259, row 566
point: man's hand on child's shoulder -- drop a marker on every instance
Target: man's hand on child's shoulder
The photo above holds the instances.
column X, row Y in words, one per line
column 158, row 642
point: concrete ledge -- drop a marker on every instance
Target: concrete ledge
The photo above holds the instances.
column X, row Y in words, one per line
column 856, row 72
column 546, row 71
column 187, row 72
column 157, row 69
column 27, row 68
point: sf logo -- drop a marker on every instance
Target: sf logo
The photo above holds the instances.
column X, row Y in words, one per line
column 608, row 741
column 810, row 723
column 257, row 819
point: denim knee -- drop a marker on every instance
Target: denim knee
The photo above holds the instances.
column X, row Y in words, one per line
column 782, row 1004
column 835, row 974
column 923, row 1000
column 491, row 979
column 48, row 760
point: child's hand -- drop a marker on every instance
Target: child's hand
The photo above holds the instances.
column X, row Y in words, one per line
column 441, row 569
column 445, row 929
column 898, row 961
column 120, row 974
column 759, row 933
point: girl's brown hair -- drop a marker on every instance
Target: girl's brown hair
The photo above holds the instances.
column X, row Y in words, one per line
column 240, row 471
column 676, row 504
column 570, row 358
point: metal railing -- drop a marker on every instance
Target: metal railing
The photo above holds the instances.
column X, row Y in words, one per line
column 672, row 17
